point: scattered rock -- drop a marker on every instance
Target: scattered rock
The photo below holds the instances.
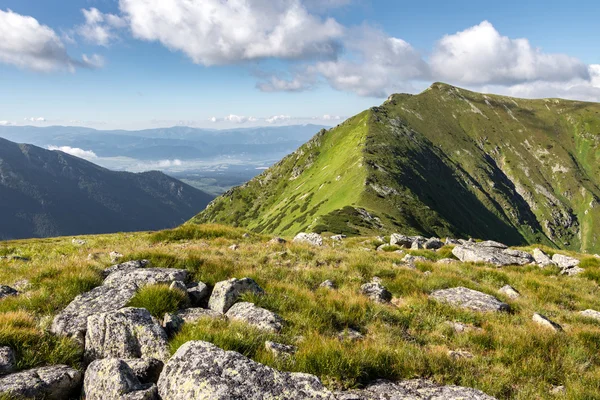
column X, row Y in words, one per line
column 407, row 265
column 125, row 333
column 280, row 350
column 460, row 354
column 147, row 370
column 558, row 390
column 313, row 239
column 277, row 240
column 246, row 235
column 8, row 362
column 78, row 242
column 113, row 379
column 400, row 240
column 234, row 247
column 200, row 370
column 256, row 316
column 572, row 271
column 416, row 245
column 452, row 242
column 173, row 321
column 198, row 292
column 470, row 299
column 433, row 244
column 328, row 284
column 510, row 291
column 565, row 262
column 459, row 327
column 545, row 322
column 115, row 256
column 178, row 285
column 491, row 252
column 541, row 258
column 226, row 293
column 141, row 277
column 376, row 292
column 415, row 389
column 338, row 238
column 126, row 266
column 350, row 334
column 414, row 259
column 57, row 382
column 381, row 247
column 427, row 273
column 591, row 314
column 6, row 291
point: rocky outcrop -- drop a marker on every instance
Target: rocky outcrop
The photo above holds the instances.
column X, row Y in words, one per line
column 546, row 322
column 6, row 291
column 376, row 292
column 126, row 266
column 8, row 362
column 399, row 240
column 568, row 265
column 492, row 253
column 416, row 389
column 200, row 370
column 125, row 333
column 57, row 382
column 433, row 244
column 470, row 299
column 173, row 322
column 255, row 316
column 314, row 239
column 141, row 277
column 113, row 379
column 226, row 293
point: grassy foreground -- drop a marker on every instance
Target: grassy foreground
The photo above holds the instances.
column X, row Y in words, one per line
column 513, row 357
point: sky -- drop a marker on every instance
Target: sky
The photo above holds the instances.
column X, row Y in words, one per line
column 136, row 64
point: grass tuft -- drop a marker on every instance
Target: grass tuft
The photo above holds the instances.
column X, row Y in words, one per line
column 159, row 300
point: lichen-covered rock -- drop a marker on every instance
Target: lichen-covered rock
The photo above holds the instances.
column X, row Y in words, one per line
column 7, row 360
column 226, row 293
column 470, row 299
column 280, row 349
column 492, row 253
column 72, row 321
column 510, row 291
column 314, row 239
column 256, row 316
column 125, row 333
column 57, row 382
column 376, row 292
column 141, row 277
column 146, row 370
column 415, row 389
column 433, row 244
column 173, row 322
column 200, row 370
column 113, row 379
column 6, row 291
column 541, row 258
column 565, row 262
column 590, row 314
column 178, row 285
column 546, row 322
column 129, row 265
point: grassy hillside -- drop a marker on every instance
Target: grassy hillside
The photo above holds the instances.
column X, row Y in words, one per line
column 445, row 162
column 513, row 358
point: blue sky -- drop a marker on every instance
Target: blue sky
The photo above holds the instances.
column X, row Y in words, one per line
column 213, row 63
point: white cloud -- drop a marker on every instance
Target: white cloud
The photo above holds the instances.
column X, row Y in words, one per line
column 35, row 119
column 238, row 119
column 93, row 61
column 298, row 83
column 480, row 55
column 27, row 44
column 100, row 28
column 215, row 32
column 75, row 151
column 213, row 119
column 328, row 117
column 5, row 123
column 278, row 118
column 169, row 163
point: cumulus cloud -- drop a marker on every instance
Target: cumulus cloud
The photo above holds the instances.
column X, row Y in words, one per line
column 239, row 119
column 75, row 151
column 328, row 117
column 27, row 44
column 100, row 28
column 480, row 55
column 213, row 32
column 5, row 123
column 35, row 119
column 278, row 118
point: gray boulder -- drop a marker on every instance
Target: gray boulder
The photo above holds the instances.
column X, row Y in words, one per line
column 376, row 292
column 141, row 277
column 328, row 284
column 146, row 370
column 492, row 253
column 57, row 382
column 178, row 285
column 113, row 379
column 200, row 370
column 314, row 239
column 565, row 262
column 255, row 316
column 401, row 240
column 173, row 322
column 572, row 271
column 338, row 238
column 546, row 322
column 415, row 389
column 510, row 291
column 417, row 245
column 433, row 244
column 226, row 293
column 125, row 333
column 129, row 265
column 8, row 362
column 590, row 314
column 280, row 350
column 541, row 258
column 6, row 291
column 198, row 292
column 452, row 242
column 414, row 259
column 470, row 299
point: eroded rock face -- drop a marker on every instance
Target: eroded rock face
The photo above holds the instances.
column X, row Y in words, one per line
column 7, row 360
column 57, row 382
column 125, row 333
column 113, row 379
column 415, row 389
column 174, row 321
column 470, row 299
column 145, row 276
column 314, row 239
column 200, row 370
column 492, row 253
column 226, row 293
column 376, row 292
column 256, row 316
column 6, row 291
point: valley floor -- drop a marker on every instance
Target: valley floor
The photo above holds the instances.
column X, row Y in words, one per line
column 506, row 355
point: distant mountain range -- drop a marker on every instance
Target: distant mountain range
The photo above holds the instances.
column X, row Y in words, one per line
column 446, row 162
column 49, row 193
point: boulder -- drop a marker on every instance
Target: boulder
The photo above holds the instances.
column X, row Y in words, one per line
column 200, row 370
column 546, row 322
column 178, row 285
column 226, row 293
column 129, row 265
column 280, row 350
column 6, row 291
column 113, row 379
column 460, row 355
column 510, row 291
column 234, row 247
column 491, row 252
column 572, row 271
column 541, row 258
column 433, row 244
column 173, row 322
column 78, row 242
column 470, row 299
column 56, row 382
column 146, row 370
column 376, row 292
column 255, row 316
column 415, row 389
column 198, row 293
column 141, row 277
column 22, row 285
column 416, row 245
column 451, row 241
column 125, row 333
column 590, row 314
column 414, row 259
column 565, row 262
column 314, row 239
column 338, row 238
column 8, row 362
column 328, row 284
column 277, row 240
column 401, row 240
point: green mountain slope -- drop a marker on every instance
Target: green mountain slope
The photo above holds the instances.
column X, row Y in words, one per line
column 445, row 162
